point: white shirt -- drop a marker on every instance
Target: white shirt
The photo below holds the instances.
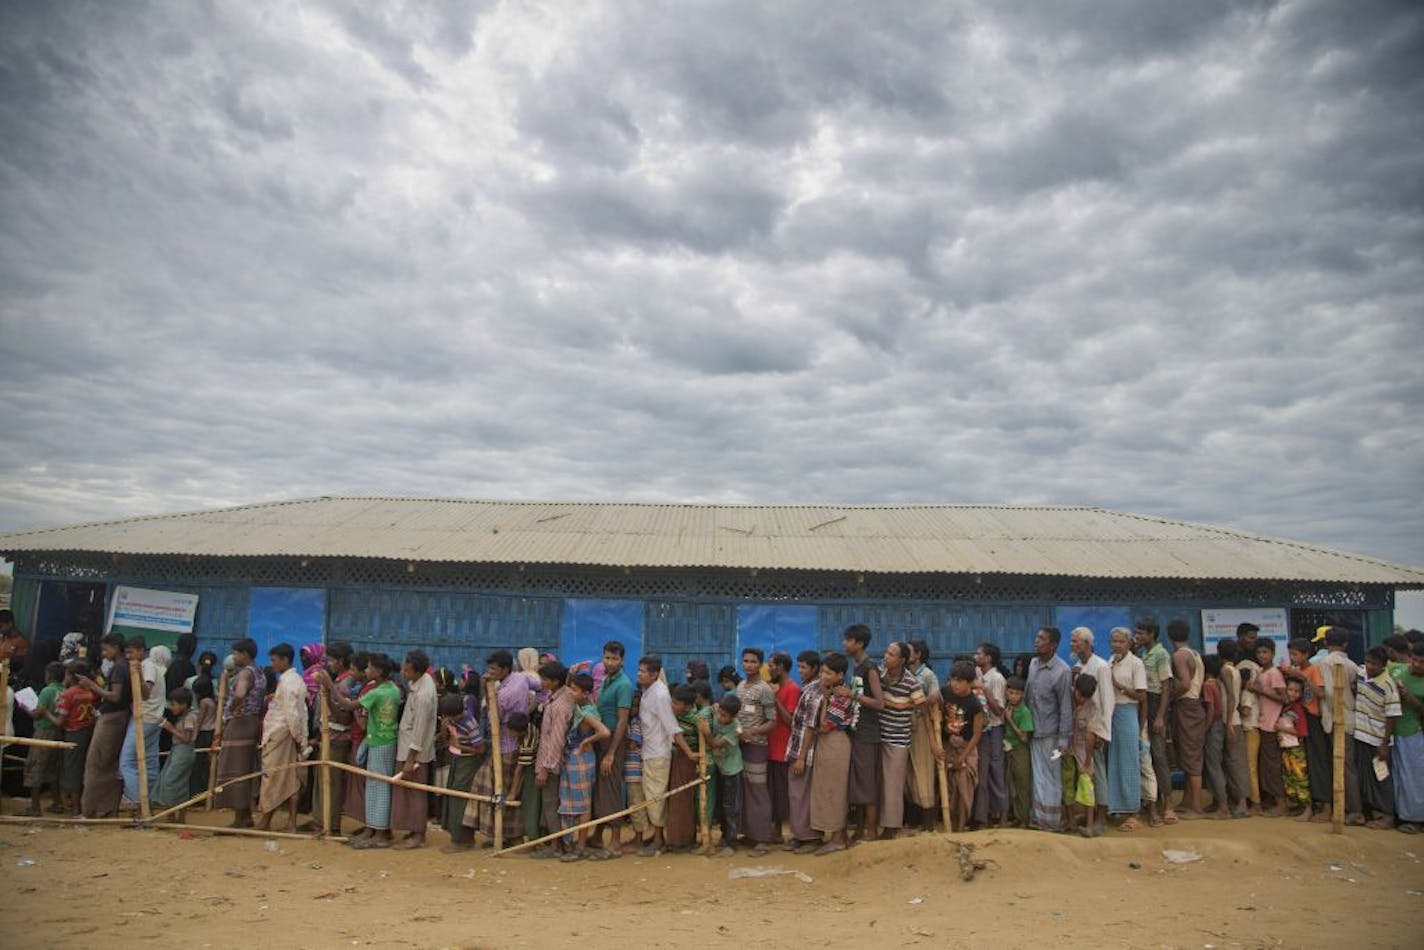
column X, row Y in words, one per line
column 286, row 718
column 659, row 724
column 154, row 705
column 417, row 722
column 995, row 688
column 1098, row 668
column 1333, row 659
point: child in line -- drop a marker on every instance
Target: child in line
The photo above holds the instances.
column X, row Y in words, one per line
column 831, row 745
column 963, row 726
column 1018, row 719
column 704, row 706
column 521, row 782
column 1078, row 793
column 1291, row 729
column 633, row 775
column 727, row 757
column 207, row 706
column 42, row 765
column 1214, row 751
column 183, row 727
column 579, row 771
column 78, row 709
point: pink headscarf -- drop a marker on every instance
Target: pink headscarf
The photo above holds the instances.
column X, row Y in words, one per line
column 313, row 655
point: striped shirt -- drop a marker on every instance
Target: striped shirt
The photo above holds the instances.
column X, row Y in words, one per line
column 895, row 723
column 758, row 707
column 1376, row 702
column 633, row 764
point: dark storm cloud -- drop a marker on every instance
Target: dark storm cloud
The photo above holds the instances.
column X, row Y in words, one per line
column 1160, row 258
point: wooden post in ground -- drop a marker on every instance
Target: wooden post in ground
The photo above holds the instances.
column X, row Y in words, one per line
column 492, row 703
column 595, row 822
column 326, row 805
column 936, row 720
column 217, row 740
column 1337, row 712
column 704, row 819
column 4, row 711
column 136, row 682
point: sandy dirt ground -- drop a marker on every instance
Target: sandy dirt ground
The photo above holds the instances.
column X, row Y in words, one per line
column 1259, row 883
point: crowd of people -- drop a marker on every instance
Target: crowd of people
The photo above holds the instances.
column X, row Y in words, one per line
column 806, row 754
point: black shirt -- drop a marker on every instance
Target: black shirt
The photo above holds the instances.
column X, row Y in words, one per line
column 959, row 713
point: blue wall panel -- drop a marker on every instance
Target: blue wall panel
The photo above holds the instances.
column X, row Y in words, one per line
column 773, row 627
column 1100, row 620
column 291, row 615
column 679, row 632
column 588, row 624
column 457, row 629
column 1164, row 614
column 222, row 617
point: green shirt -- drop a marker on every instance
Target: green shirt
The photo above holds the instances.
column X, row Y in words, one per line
column 1408, row 723
column 382, row 714
column 728, row 758
column 48, row 699
column 1023, row 718
column 615, row 693
column 1159, row 667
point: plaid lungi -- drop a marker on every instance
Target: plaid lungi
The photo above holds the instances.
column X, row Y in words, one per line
column 576, row 783
column 380, row 759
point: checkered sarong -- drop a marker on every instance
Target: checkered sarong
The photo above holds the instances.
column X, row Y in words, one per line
column 381, row 760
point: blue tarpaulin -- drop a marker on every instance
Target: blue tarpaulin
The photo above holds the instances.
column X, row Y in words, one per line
column 589, row 624
column 788, row 629
column 295, row 615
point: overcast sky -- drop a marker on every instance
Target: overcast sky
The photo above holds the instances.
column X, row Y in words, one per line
column 1158, row 257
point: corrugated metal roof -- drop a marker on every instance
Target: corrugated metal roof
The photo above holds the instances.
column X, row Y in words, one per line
column 971, row 539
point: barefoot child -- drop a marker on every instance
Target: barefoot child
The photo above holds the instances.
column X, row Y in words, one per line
column 633, row 776
column 963, row 726
column 1018, row 723
column 1078, row 764
column 831, row 746
column 577, row 776
column 1291, row 729
column 727, row 757
column 77, row 707
column 173, row 780
column 42, row 765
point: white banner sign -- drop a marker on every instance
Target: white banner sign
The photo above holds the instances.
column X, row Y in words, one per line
column 163, row 614
column 1218, row 625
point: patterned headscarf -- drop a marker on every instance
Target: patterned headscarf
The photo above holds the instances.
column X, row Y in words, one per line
column 312, row 656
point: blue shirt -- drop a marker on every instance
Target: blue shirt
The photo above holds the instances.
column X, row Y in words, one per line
column 1050, row 697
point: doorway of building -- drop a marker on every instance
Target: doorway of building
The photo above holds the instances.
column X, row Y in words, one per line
column 1305, row 621
column 66, row 606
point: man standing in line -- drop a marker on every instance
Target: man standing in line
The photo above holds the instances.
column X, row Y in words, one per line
column 804, row 839
column 991, row 799
column 660, row 731
column 549, row 757
column 1088, row 663
column 778, row 775
column 1159, row 699
column 1189, row 720
column 284, row 740
column 864, row 686
column 755, row 720
column 614, row 700
column 1337, row 643
column 1050, row 699
column 415, row 750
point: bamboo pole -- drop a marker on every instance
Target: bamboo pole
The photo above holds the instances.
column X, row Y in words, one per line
column 37, row 743
column 217, row 738
column 704, row 819
column 1337, row 791
column 136, row 682
column 9, row 697
column 242, row 832
column 597, row 821
column 492, row 700
column 326, row 819
column 936, row 718
column 418, row 786
column 59, row 820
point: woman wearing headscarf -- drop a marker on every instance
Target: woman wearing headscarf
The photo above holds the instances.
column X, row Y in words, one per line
column 313, row 657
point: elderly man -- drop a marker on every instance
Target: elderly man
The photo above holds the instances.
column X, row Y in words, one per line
column 1050, row 698
column 1085, row 661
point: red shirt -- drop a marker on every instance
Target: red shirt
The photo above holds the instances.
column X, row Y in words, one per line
column 76, row 705
column 787, row 696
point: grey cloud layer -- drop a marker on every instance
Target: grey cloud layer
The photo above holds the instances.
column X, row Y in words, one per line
column 1161, row 258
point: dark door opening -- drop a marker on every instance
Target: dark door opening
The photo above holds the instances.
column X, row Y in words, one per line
column 1305, row 621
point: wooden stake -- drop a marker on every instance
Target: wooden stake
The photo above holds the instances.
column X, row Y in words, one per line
column 136, row 681
column 217, row 739
column 492, row 701
column 597, row 821
column 936, row 719
column 1337, row 792
column 326, row 819
column 705, row 820
column 8, row 697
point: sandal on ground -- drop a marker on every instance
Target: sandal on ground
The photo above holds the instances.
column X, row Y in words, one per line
column 829, row 848
column 1131, row 824
column 1156, row 821
column 1171, row 818
column 573, row 856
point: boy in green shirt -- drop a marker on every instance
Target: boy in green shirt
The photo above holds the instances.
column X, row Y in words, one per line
column 1018, row 723
column 727, row 757
column 42, row 765
column 382, row 706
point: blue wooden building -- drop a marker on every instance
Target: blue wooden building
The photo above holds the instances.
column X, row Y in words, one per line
column 462, row 577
